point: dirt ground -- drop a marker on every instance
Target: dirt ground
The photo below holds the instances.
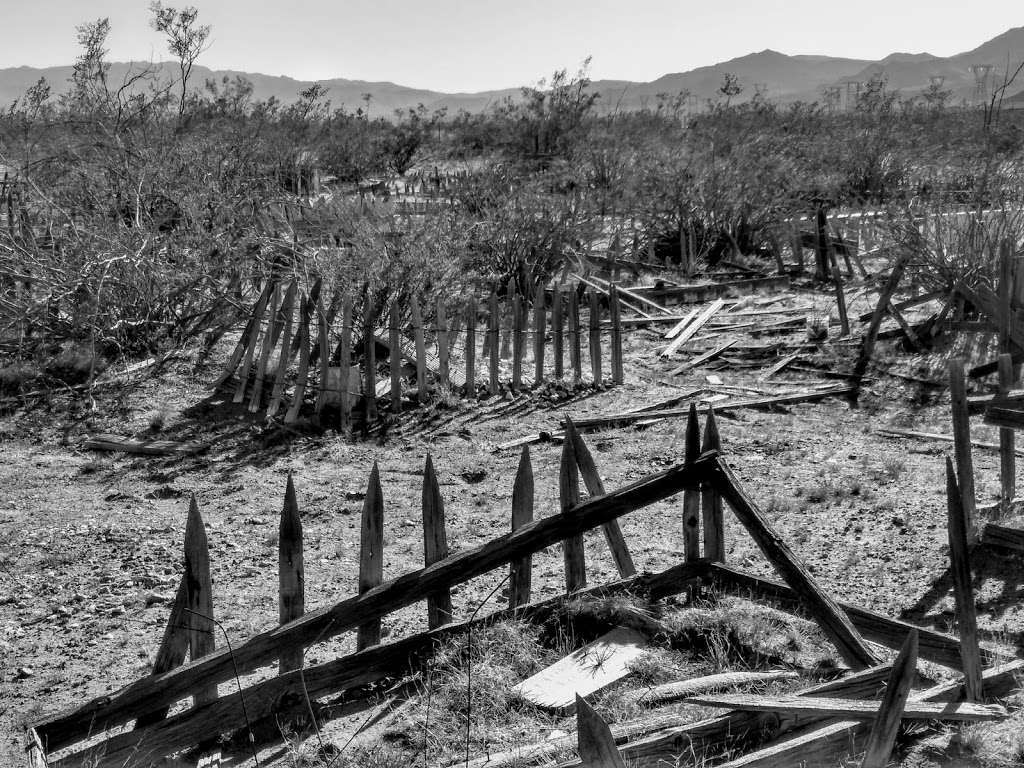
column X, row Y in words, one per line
column 90, row 543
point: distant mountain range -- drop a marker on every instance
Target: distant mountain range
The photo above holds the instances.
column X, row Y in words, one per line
column 778, row 76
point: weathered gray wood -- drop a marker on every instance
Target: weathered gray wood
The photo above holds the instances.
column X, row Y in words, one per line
column 395, row 358
column 963, row 590
column 173, row 647
column 435, row 545
column 595, row 339
column 199, row 598
column 893, row 707
column 691, row 330
column 371, row 553
column 595, row 742
column 421, row 348
column 871, row 335
column 711, row 354
column 615, row 310
column 302, row 376
column 369, row 361
column 853, row 709
column 442, row 343
column 518, row 346
column 150, row 693
column 521, row 571
column 539, row 333
column 682, row 689
column 1007, row 451
column 691, row 496
column 575, row 354
column 962, row 442
column 557, row 330
column 291, row 575
column 248, row 338
column 1000, row 536
column 710, row 502
column 569, row 497
column 595, row 487
column 826, row 612
column 323, row 353
column 472, row 310
column 345, row 353
column 269, row 336
column 107, row 442
column 493, row 329
column 35, row 754
column 245, row 371
column 285, row 356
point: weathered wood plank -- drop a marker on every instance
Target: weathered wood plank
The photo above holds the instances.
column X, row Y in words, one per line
column 521, row 571
column 963, row 590
column 851, row 708
column 692, row 496
column 893, row 707
column 1000, row 536
column 595, row 742
column 291, row 575
column 569, row 497
column 371, row 553
column 435, row 545
column 199, row 598
column 712, row 515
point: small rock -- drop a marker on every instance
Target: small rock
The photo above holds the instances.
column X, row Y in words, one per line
column 24, row 672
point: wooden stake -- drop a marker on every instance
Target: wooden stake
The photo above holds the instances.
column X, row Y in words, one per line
column 435, row 545
column 557, row 330
column 897, row 691
column 442, row 344
column 344, row 397
column 371, row 553
column 285, row 356
column 960, row 570
column 248, row 338
column 962, row 443
column 302, row 376
column 595, row 338
column 421, row 349
column 595, row 742
column 395, row 358
column 250, row 351
column 595, row 487
column 370, row 361
column 471, row 315
column 575, row 356
column 291, row 578
column 1005, row 320
column 517, row 343
column 691, row 497
column 324, row 353
column 837, row 281
column 173, row 647
column 830, row 617
column 616, row 342
column 711, row 502
column 199, row 596
column 539, row 332
column 871, row 336
column 569, row 495
column 1007, row 449
column 493, row 331
column 269, row 337
column 522, row 513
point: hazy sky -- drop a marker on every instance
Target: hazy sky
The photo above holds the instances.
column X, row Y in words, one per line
column 469, row 45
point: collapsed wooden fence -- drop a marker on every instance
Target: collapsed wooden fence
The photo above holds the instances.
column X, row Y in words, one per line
column 96, row 729
column 547, row 337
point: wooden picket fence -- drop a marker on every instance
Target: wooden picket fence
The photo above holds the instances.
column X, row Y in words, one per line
column 706, row 484
column 286, row 322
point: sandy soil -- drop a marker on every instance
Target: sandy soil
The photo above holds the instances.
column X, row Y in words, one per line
column 90, row 544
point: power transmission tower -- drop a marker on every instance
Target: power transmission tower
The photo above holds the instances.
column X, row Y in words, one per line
column 981, row 73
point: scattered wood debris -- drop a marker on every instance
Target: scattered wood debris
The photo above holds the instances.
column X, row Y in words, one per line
column 108, row 442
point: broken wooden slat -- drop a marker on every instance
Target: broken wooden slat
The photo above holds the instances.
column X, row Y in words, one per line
column 1000, row 536
column 595, row 487
column 518, row 335
column 493, row 329
column 291, row 578
column 635, row 308
column 539, row 332
column 345, row 355
column 614, row 307
column 691, row 330
column 107, row 442
column 711, row 354
column 575, row 354
column 302, row 376
column 871, row 335
column 199, row 598
column 829, row 616
column 851, row 708
column 173, row 647
column 889, row 432
column 962, row 442
column 442, row 343
column 269, row 337
column 711, row 503
column 369, row 361
column 435, row 545
column 569, row 498
column 696, row 294
column 678, row 328
column 963, row 591
column 595, row 743
column 1007, row 456
column 472, row 310
column 588, row 670
column 395, row 358
column 893, row 708
column 557, row 330
column 285, row 356
column 115, row 707
column 248, row 337
column 245, row 371
column 421, row 348
column 521, row 571
column 1005, row 417
column 324, row 353
column 691, row 496
column 782, row 363
column 371, row 553
column 683, row 689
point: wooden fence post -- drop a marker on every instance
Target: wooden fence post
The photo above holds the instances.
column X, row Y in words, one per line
column 521, row 571
column 370, row 361
column 711, row 502
column 897, row 690
column 442, row 343
column 595, row 339
column 493, row 332
column 616, row 339
column 575, row 355
column 421, row 349
column 199, row 596
column 435, row 545
column 345, row 354
column 292, row 415
column 247, row 341
column 837, row 281
column 1005, row 319
column 1007, row 454
column 594, row 739
column 395, row 358
column 250, row 353
column 273, row 318
column 173, row 647
column 291, row 578
column 517, row 343
column 960, row 570
column 821, row 262
column 371, row 553
column 324, row 353
column 595, row 487
column 288, row 310
column 557, row 330
column 471, row 315
column 539, row 332
column 797, row 247
column 569, row 495
column 691, row 497
column 962, row 442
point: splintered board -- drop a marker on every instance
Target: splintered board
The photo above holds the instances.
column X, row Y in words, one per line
column 592, row 668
